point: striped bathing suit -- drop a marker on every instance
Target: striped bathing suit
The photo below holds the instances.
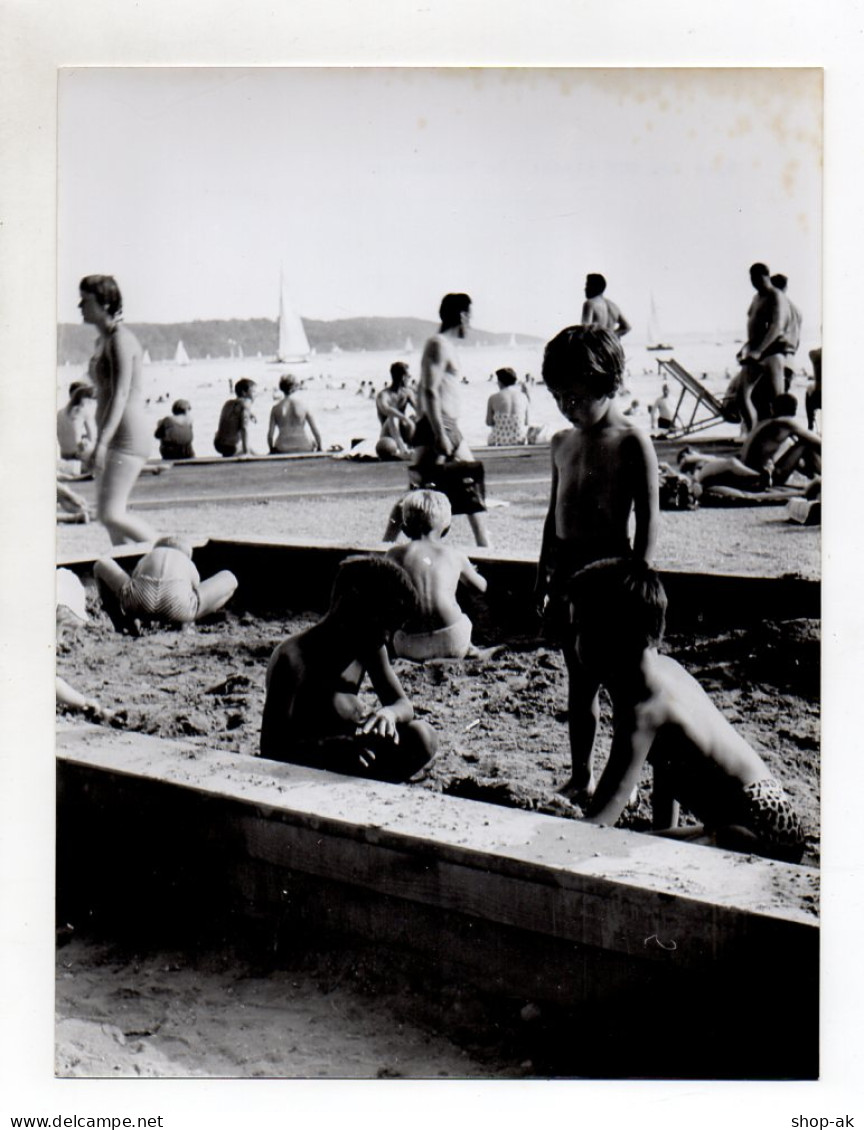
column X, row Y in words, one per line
column 164, row 598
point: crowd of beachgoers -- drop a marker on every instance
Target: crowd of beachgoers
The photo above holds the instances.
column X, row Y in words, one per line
column 597, row 595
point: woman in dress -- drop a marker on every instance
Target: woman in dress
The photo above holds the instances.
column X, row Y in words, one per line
column 507, row 411
column 123, row 434
column 289, row 419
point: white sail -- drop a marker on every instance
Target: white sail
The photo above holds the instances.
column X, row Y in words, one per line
column 409, row 345
column 181, row 357
column 655, row 338
column 512, row 341
column 293, row 343
column 145, row 360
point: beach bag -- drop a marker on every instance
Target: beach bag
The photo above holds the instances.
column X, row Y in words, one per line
column 463, row 483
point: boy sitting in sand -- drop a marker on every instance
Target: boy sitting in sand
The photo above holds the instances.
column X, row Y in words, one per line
column 175, row 433
column 440, row 629
column 663, row 716
column 165, row 586
column 313, row 714
column 603, row 471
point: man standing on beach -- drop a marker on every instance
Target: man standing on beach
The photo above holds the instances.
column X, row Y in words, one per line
column 762, row 355
column 791, row 330
column 598, row 310
column 437, row 436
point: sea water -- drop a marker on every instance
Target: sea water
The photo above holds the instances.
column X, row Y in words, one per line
column 335, row 388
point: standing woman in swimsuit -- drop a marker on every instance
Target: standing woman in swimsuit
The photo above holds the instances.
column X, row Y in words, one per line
column 123, row 433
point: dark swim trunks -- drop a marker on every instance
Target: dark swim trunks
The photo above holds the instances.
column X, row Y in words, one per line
column 392, row 761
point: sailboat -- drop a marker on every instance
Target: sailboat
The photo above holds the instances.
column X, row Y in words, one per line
column 293, row 343
column 655, row 342
column 145, row 360
column 408, row 346
column 181, row 357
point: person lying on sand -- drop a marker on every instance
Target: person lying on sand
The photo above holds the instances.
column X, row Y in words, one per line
column 313, row 714
column 440, row 629
column 663, row 716
column 771, row 452
column 165, row 587
column 71, row 607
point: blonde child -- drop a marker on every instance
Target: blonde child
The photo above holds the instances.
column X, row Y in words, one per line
column 440, row 629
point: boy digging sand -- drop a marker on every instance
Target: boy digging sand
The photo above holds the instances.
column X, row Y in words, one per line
column 603, row 471
column 440, row 629
column 663, row 716
column 312, row 711
column 165, row 586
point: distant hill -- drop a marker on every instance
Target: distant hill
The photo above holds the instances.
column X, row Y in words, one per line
column 260, row 335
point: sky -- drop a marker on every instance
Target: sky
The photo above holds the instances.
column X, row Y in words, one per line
column 379, row 190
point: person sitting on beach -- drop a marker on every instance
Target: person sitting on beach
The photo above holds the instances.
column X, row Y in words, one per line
column 289, row 419
column 439, row 629
column 393, row 404
column 164, row 587
column 662, row 716
column 507, row 411
column 769, row 455
column 174, row 432
column 603, row 470
column 598, row 310
column 232, row 434
column 76, row 422
column 313, row 713
column 663, row 415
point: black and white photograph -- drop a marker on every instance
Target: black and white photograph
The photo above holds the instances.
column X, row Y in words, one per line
column 439, row 503
column 445, row 642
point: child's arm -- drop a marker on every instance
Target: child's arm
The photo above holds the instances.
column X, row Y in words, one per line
column 271, row 429
column 395, row 707
column 646, row 495
column 283, row 679
column 468, row 575
column 631, row 744
column 548, row 540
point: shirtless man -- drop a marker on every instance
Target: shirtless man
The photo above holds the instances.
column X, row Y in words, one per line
column 393, row 404
column 762, row 354
column 598, row 310
column 791, row 331
column 437, row 436
column 782, row 445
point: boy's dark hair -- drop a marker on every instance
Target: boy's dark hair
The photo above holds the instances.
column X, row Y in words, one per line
column 180, row 407
column 506, row 376
column 595, row 285
column 244, row 386
column 378, row 586
column 588, row 353
column 452, row 307
column 623, row 598
column 780, row 281
column 398, row 372
column 785, row 404
column 288, row 383
column 105, row 290
column 760, row 269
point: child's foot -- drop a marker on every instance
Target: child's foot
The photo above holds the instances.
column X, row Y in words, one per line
column 579, row 792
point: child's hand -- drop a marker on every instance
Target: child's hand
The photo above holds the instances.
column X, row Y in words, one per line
column 382, row 722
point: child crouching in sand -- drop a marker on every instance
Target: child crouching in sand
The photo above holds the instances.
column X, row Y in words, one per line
column 604, row 472
column 165, row 586
column 440, row 629
column 312, row 711
column 663, row 716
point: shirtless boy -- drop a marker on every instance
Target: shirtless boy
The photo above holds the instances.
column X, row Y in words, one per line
column 439, row 629
column 393, row 404
column 598, row 310
column 663, row 716
column 313, row 714
column 232, row 432
column 603, row 471
column 164, row 586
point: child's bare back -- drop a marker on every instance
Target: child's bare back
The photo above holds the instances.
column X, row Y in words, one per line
column 436, row 570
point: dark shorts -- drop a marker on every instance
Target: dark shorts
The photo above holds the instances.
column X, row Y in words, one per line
column 226, row 449
column 424, row 435
column 392, row 761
